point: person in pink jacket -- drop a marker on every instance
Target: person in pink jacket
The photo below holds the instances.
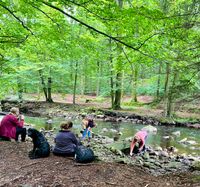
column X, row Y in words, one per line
column 11, row 126
column 138, row 142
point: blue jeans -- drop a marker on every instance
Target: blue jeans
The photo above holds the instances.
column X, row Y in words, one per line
column 86, row 132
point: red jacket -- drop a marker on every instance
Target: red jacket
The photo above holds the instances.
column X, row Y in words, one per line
column 8, row 126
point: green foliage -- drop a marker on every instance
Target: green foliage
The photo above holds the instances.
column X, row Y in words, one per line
column 145, row 35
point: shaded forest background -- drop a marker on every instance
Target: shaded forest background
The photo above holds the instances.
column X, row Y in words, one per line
column 104, row 48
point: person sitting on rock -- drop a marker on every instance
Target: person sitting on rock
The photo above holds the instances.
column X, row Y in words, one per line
column 12, row 126
column 87, row 125
column 138, row 142
column 65, row 140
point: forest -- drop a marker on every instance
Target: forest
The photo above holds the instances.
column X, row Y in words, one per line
column 104, row 48
column 127, row 65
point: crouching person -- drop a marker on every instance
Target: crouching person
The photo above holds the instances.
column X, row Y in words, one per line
column 138, row 142
column 65, row 141
column 12, row 126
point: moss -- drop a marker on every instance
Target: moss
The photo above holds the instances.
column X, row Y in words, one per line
column 196, row 178
column 196, row 165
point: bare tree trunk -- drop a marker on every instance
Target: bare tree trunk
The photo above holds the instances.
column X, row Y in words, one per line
column 98, row 79
column 167, row 78
column 118, row 91
column 82, row 85
column 43, row 84
column 134, row 87
column 166, row 88
column 117, row 101
column 75, row 82
column 170, row 98
column 49, row 98
column 111, row 75
column 20, row 89
column 158, row 82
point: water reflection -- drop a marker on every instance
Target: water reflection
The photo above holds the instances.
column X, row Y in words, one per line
column 121, row 131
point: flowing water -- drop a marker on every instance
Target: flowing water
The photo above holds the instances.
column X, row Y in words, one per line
column 120, row 131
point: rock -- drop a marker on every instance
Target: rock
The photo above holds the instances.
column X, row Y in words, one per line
column 150, row 129
column 104, row 130
column 107, row 140
column 196, row 165
column 176, row 133
column 100, row 116
column 120, row 133
column 188, row 142
column 121, row 160
column 113, row 130
column 191, row 142
column 149, row 165
column 129, row 139
column 163, row 153
column 174, row 165
column 158, row 148
column 146, row 156
column 183, row 140
column 166, row 137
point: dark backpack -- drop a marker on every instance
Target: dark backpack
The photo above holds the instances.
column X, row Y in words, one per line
column 84, row 154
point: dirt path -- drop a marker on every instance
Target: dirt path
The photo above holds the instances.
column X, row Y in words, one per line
column 18, row 170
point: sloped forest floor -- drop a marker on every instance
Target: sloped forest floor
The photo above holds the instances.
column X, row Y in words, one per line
column 18, row 170
column 144, row 106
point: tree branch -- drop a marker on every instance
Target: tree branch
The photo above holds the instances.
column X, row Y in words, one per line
column 18, row 19
column 96, row 30
column 148, row 39
column 81, row 5
column 170, row 17
column 45, row 15
column 19, row 42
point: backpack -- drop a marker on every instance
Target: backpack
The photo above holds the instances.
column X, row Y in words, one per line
column 84, row 154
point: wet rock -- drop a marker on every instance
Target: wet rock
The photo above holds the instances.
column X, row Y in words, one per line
column 150, row 129
column 176, row 133
column 107, row 140
column 104, row 130
column 149, row 165
column 188, row 142
column 100, row 116
column 113, row 131
column 163, row 154
column 146, row 156
column 196, row 165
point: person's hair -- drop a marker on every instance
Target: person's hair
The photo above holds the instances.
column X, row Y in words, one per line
column 66, row 125
column 136, row 139
column 14, row 110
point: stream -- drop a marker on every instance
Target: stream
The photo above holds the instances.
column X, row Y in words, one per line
column 185, row 140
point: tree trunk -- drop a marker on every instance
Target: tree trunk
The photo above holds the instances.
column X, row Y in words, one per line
column 167, row 78
column 75, row 83
column 20, row 89
column 166, row 89
column 98, row 79
column 170, row 98
column 158, row 82
column 118, row 92
column 134, row 87
column 117, row 101
column 82, row 85
column 43, row 84
column 111, row 75
column 49, row 98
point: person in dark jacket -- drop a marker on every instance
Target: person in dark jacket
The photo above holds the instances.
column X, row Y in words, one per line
column 65, row 140
column 11, row 126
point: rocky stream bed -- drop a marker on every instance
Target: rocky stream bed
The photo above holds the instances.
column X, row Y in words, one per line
column 155, row 161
